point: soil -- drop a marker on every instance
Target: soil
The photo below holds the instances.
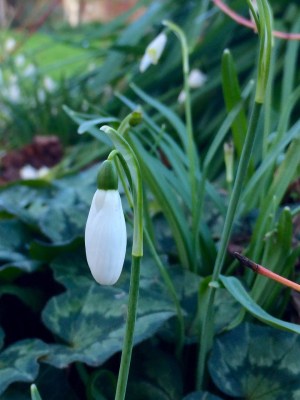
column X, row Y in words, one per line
column 43, row 151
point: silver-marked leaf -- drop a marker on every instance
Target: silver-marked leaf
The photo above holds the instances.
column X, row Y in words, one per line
column 89, row 319
column 19, row 362
column 13, row 252
column 257, row 362
column 201, row 396
column 59, row 210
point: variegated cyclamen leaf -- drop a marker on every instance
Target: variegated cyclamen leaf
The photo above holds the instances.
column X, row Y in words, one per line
column 89, row 319
column 201, row 396
column 19, row 362
column 257, row 362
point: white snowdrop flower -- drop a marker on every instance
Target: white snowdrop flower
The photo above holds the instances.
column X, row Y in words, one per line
column 153, row 51
column 29, row 71
column 196, row 78
column 9, row 45
column 14, row 93
column 42, row 172
column 105, row 231
column 20, row 60
column 28, row 172
column 49, row 84
column 41, row 95
column 181, row 97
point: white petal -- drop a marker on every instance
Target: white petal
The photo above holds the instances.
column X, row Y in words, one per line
column 10, row 44
column 105, row 237
column 196, row 78
column 156, row 47
column 153, row 51
column 145, row 62
column 181, row 97
column 28, row 172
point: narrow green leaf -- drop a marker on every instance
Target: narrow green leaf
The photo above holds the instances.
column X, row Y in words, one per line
column 34, row 393
column 232, row 97
column 235, row 288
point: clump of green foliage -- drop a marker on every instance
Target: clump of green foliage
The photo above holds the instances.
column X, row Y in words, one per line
column 64, row 332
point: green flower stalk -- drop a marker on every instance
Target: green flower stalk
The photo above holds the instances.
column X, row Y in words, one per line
column 190, row 143
column 207, row 328
column 131, row 168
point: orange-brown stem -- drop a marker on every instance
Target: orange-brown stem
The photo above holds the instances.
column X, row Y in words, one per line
column 266, row 272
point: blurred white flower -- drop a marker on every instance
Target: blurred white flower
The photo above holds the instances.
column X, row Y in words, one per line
column 181, row 97
column 153, row 51
column 43, row 171
column 41, row 95
column 13, row 93
column 29, row 71
column 49, row 84
column 9, row 45
column 196, row 79
column 29, row 172
column 20, row 60
column 105, row 237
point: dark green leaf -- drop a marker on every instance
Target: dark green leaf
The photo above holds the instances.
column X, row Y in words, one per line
column 90, row 319
column 257, row 362
column 103, row 385
column 236, row 289
column 19, row 362
column 2, row 335
column 201, row 396
column 152, row 380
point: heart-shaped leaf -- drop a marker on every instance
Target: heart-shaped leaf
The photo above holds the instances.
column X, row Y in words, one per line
column 14, row 236
column 19, row 362
column 201, row 396
column 257, row 362
column 59, row 210
column 90, row 319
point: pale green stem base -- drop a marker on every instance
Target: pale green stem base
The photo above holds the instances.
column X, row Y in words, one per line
column 130, row 324
column 207, row 329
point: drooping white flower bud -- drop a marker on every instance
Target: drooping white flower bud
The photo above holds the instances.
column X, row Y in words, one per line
column 105, row 232
column 196, row 79
column 153, row 51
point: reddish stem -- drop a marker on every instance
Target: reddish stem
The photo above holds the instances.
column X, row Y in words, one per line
column 266, row 272
column 249, row 24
